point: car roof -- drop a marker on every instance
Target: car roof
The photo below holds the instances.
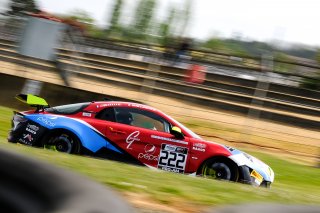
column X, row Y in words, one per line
column 102, row 104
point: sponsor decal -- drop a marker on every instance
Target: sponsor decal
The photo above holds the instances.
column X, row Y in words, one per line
column 86, row 114
column 168, row 169
column 230, row 148
column 168, row 147
column 201, row 147
column 28, row 136
column 132, row 138
column 257, row 177
column 149, row 150
column 180, row 149
column 168, row 139
column 173, row 158
column 198, row 149
column 141, row 106
column 148, row 156
column 26, row 139
column 106, row 105
column 47, row 121
column 32, row 129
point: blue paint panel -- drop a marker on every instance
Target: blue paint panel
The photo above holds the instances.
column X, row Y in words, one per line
column 90, row 139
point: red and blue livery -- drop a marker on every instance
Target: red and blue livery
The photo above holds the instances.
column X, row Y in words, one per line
column 133, row 133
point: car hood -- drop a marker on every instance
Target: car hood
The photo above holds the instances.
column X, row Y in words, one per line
column 244, row 159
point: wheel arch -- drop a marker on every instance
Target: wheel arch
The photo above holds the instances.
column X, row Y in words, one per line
column 56, row 130
column 220, row 158
column 51, row 132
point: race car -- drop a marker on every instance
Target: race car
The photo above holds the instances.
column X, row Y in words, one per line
column 134, row 133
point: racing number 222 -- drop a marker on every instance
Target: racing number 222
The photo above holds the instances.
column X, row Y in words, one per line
column 170, row 159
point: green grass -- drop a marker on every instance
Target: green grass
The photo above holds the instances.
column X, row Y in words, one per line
column 5, row 121
column 294, row 183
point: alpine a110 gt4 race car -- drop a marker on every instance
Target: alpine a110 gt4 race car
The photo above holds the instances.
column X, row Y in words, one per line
column 134, row 133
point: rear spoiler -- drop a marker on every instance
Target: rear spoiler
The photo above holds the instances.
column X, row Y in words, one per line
column 33, row 101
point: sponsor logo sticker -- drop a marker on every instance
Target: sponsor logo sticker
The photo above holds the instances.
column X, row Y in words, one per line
column 47, row 121
column 168, row 147
column 198, row 149
column 32, row 129
column 86, row 114
column 26, row 139
column 149, row 150
column 132, row 138
column 106, row 105
column 168, row 139
column 28, row 136
column 201, row 147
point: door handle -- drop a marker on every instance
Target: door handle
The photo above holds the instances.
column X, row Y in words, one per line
column 117, row 131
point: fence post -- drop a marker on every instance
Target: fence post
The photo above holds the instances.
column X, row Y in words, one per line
column 260, row 91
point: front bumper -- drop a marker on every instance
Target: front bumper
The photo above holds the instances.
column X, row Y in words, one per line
column 252, row 177
column 253, row 170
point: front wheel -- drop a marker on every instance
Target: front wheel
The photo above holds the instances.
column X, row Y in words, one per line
column 62, row 141
column 219, row 169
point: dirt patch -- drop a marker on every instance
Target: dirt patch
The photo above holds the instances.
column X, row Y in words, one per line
column 144, row 204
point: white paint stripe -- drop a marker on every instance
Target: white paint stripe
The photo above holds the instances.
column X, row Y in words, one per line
column 168, row 139
column 52, row 116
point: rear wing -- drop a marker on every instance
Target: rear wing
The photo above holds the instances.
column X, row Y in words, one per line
column 33, row 101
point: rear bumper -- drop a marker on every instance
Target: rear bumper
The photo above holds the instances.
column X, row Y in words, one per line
column 12, row 137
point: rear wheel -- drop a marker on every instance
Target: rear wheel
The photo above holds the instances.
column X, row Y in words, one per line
column 220, row 169
column 62, row 141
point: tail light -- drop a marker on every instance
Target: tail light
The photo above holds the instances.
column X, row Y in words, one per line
column 17, row 119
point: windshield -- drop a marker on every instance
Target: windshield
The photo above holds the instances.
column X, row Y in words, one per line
column 194, row 135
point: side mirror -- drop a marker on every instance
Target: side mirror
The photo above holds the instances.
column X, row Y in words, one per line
column 176, row 131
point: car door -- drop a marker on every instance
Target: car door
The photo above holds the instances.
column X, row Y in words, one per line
column 146, row 136
column 159, row 148
column 118, row 133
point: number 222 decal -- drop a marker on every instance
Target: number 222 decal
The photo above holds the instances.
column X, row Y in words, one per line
column 172, row 158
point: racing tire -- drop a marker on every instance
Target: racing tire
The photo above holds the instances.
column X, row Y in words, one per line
column 62, row 141
column 220, row 169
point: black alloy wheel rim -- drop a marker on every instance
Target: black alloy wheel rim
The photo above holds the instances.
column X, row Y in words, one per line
column 217, row 171
column 63, row 144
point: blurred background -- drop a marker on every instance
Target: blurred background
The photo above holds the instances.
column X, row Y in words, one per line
column 242, row 73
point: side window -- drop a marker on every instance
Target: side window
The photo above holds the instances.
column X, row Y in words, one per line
column 107, row 114
column 141, row 118
column 143, row 121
